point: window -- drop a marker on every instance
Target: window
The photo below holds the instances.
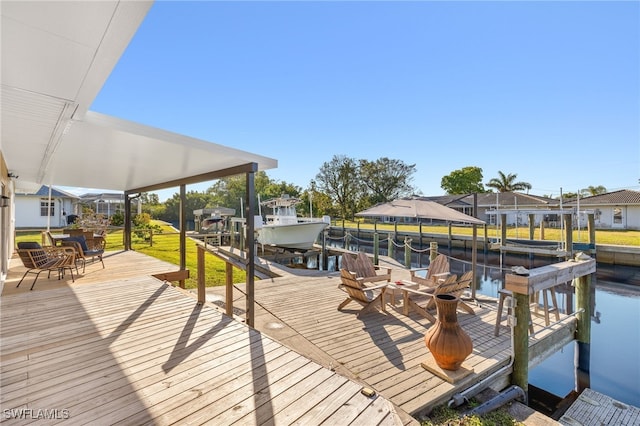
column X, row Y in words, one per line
column 617, row 216
column 44, row 208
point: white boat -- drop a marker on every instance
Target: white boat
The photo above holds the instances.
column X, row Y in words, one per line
column 283, row 228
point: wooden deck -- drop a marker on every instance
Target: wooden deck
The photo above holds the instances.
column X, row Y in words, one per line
column 383, row 351
column 120, row 347
column 595, row 409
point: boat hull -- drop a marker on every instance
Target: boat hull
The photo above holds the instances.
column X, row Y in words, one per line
column 301, row 235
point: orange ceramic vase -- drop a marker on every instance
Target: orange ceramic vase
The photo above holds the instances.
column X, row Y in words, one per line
column 449, row 344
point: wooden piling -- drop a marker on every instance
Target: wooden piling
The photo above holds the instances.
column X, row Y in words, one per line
column 520, row 375
column 376, row 248
column 407, row 252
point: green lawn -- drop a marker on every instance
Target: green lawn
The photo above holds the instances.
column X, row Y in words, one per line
column 165, row 247
column 618, row 237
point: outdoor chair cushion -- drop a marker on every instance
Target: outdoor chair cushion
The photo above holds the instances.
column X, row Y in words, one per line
column 81, row 240
column 29, row 245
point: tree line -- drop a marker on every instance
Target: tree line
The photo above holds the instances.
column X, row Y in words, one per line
column 342, row 187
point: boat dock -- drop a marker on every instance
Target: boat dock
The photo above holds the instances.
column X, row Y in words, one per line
column 595, row 409
column 122, row 345
column 385, row 351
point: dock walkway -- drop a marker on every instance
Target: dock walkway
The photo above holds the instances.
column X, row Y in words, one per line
column 592, row 408
column 384, row 351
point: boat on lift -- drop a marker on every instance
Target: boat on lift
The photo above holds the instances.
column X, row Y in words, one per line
column 283, row 228
column 216, row 221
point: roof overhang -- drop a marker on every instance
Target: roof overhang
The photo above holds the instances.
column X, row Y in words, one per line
column 56, row 56
column 128, row 156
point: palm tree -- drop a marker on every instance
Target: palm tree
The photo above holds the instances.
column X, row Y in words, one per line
column 593, row 190
column 507, row 183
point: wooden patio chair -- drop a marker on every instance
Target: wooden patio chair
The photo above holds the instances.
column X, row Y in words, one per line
column 86, row 249
column 420, row 301
column 38, row 259
column 438, row 270
column 456, row 288
column 362, row 266
column 369, row 297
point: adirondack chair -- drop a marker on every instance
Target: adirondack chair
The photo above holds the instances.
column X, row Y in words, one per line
column 369, row 297
column 456, row 288
column 437, row 270
column 418, row 300
column 364, row 268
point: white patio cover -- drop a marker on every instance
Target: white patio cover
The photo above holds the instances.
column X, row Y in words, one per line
column 421, row 209
column 56, row 57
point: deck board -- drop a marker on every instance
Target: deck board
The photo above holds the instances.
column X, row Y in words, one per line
column 592, row 408
column 121, row 347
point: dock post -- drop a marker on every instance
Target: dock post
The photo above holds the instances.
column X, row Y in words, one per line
column 376, row 248
column 486, row 240
column 532, row 226
column 503, row 235
column 591, row 228
column 568, row 230
column 433, row 250
column 520, row 375
column 323, row 252
column 407, row 252
column 450, row 238
column 583, row 332
column 390, row 239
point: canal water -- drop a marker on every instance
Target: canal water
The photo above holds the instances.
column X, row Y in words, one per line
column 614, row 367
column 615, row 337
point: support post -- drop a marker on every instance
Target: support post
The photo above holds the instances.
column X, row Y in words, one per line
column 126, row 236
column 183, row 231
column 474, row 260
column 520, row 375
column 201, row 276
column 251, row 246
column 229, row 288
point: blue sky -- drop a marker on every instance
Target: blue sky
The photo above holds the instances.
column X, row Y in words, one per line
column 547, row 90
